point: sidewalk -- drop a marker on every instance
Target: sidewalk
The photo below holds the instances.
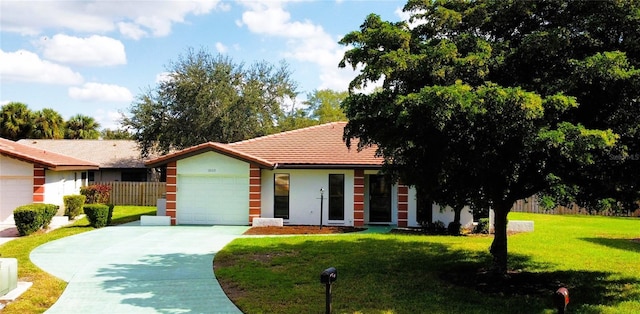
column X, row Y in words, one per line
column 8, row 230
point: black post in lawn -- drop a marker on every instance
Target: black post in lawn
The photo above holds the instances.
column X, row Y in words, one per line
column 327, row 277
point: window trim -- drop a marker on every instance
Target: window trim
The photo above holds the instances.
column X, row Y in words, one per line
column 276, row 196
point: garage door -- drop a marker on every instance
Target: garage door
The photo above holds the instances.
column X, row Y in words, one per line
column 213, row 200
column 14, row 192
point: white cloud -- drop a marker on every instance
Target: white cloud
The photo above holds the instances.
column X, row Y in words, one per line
column 131, row 30
column 26, row 66
column 4, row 102
column 221, row 48
column 405, row 16
column 134, row 19
column 306, row 41
column 108, row 119
column 101, row 92
column 91, row 51
column 163, row 77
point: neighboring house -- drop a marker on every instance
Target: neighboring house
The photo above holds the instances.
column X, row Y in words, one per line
column 34, row 175
column 288, row 175
column 119, row 160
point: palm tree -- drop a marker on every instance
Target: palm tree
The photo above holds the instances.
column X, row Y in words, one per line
column 82, row 127
column 15, row 121
column 47, row 124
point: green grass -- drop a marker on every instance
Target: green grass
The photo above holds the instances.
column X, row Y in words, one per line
column 593, row 256
column 47, row 289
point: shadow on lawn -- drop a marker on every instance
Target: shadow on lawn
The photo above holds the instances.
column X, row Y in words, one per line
column 415, row 276
column 632, row 245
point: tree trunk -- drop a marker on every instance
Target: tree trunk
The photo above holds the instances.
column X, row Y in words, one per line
column 456, row 220
column 499, row 244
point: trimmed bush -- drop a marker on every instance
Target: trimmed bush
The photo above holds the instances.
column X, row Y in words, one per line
column 28, row 220
column 454, row 228
column 111, row 206
column 73, row 205
column 48, row 211
column 96, row 193
column 483, row 226
column 97, row 214
column 33, row 217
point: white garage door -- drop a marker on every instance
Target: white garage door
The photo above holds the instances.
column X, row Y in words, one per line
column 213, row 200
column 14, row 192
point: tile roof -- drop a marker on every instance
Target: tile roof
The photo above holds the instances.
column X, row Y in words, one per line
column 318, row 146
column 106, row 153
column 48, row 159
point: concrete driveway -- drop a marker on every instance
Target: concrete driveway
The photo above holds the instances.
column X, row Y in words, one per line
column 139, row 269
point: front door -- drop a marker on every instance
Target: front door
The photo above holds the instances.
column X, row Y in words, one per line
column 379, row 199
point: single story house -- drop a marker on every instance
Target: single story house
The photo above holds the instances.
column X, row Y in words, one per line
column 290, row 175
column 34, row 175
column 118, row 160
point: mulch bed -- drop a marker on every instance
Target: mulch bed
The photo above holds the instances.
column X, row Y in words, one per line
column 300, row 230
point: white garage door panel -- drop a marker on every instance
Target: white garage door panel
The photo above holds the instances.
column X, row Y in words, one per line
column 14, row 192
column 213, row 200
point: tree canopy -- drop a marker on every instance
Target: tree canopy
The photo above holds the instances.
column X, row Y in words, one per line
column 82, row 127
column 488, row 102
column 210, row 98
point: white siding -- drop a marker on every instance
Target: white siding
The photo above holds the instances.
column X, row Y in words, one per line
column 16, row 185
column 57, row 184
column 446, row 215
column 304, row 196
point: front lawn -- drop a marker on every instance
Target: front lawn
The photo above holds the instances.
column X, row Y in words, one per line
column 597, row 258
column 47, row 289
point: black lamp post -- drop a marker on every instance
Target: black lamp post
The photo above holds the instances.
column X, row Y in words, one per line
column 321, row 205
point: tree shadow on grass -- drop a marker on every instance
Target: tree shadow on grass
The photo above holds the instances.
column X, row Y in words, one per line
column 632, row 245
column 402, row 275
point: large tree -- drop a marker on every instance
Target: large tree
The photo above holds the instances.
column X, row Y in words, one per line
column 15, row 121
column 210, row 98
column 47, row 124
column 82, row 127
column 488, row 102
column 325, row 105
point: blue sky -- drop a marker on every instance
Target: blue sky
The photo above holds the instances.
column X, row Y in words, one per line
column 94, row 57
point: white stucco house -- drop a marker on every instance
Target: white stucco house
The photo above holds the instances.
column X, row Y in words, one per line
column 289, row 175
column 33, row 175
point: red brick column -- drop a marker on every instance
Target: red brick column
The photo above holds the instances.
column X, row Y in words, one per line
column 358, row 198
column 403, row 205
column 38, row 184
column 172, row 181
column 255, row 193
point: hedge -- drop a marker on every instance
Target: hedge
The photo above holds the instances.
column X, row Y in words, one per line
column 97, row 214
column 73, row 205
column 33, row 217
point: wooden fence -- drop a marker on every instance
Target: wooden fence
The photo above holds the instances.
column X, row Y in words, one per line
column 135, row 193
column 530, row 205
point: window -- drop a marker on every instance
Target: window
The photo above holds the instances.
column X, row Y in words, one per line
column 336, row 197
column 281, row 195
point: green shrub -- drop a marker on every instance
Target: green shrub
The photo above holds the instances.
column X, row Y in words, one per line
column 48, row 211
column 111, row 206
column 33, row 217
column 28, row 219
column 483, row 226
column 73, row 205
column 97, row 214
column 96, row 193
column 454, row 228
